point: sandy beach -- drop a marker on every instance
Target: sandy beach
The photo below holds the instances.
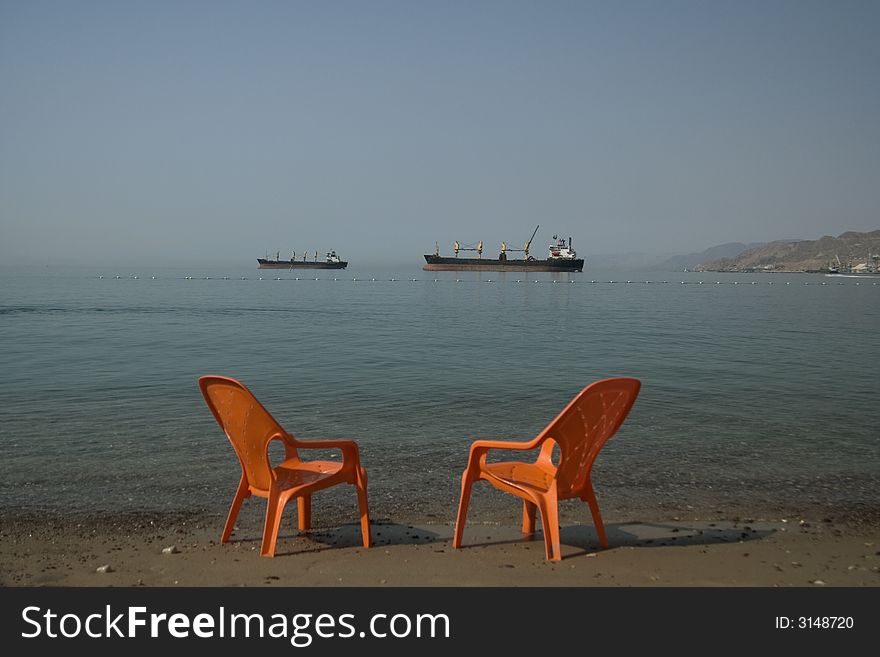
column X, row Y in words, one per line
column 183, row 550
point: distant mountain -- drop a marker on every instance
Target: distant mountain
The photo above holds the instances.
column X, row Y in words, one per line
column 849, row 248
column 691, row 260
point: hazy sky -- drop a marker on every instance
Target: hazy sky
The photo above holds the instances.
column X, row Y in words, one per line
column 168, row 131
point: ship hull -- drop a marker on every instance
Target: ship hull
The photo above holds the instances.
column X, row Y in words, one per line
column 299, row 264
column 440, row 263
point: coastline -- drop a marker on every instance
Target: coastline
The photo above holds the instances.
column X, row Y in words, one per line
column 183, row 549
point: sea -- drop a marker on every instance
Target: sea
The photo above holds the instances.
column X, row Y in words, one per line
column 759, row 391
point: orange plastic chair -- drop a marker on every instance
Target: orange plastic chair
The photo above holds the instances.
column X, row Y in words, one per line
column 250, row 428
column 579, row 431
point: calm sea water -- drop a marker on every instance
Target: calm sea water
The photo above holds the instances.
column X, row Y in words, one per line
column 759, row 391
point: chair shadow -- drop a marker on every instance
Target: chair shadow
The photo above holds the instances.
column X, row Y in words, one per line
column 638, row 534
column 320, row 539
column 576, row 539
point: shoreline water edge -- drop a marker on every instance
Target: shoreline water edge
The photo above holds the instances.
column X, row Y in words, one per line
column 663, row 548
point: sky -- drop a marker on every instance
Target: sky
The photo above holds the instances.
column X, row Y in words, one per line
column 171, row 132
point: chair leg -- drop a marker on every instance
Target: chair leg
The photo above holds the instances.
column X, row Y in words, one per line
column 240, row 495
column 528, row 519
column 274, row 507
column 550, row 523
column 590, row 498
column 304, row 512
column 467, row 481
column 361, row 486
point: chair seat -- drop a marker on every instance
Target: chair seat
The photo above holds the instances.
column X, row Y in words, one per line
column 293, row 474
column 519, row 475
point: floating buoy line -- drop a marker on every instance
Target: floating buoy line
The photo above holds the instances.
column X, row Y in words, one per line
column 135, row 277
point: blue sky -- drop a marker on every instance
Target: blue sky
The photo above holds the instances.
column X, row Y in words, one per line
column 217, row 131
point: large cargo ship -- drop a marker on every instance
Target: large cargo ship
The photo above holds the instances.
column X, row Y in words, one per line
column 330, row 261
column 561, row 258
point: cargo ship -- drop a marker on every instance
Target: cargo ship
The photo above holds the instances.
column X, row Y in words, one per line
column 330, row 261
column 562, row 257
column 870, row 268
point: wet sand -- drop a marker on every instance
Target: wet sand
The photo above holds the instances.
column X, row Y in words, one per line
column 168, row 550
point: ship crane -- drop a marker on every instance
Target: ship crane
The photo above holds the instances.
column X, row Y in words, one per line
column 525, row 248
column 478, row 248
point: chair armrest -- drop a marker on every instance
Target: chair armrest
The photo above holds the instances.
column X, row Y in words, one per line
column 479, row 448
column 349, row 448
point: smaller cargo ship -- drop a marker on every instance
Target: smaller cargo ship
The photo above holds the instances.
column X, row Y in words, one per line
column 871, row 268
column 561, row 258
column 854, row 272
column 330, row 261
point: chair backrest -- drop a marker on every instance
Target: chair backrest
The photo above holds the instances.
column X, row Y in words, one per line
column 246, row 423
column 585, row 425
